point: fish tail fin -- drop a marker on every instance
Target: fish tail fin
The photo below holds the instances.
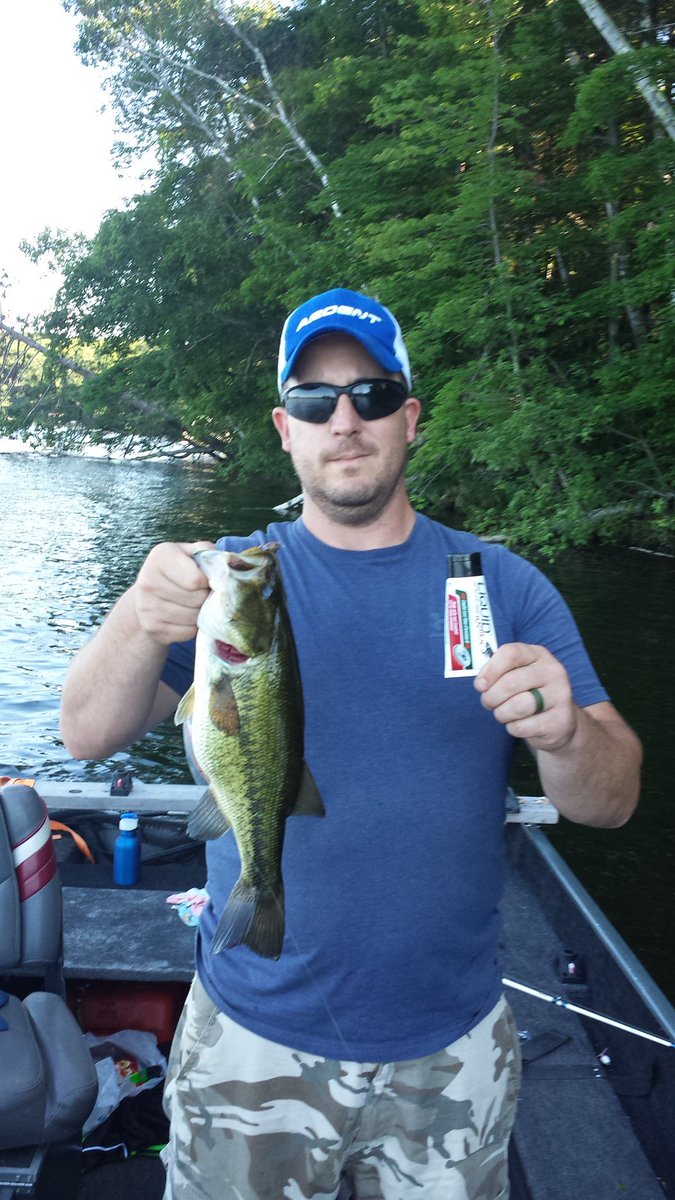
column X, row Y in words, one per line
column 252, row 918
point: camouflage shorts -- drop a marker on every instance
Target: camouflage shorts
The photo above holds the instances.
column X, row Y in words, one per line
column 253, row 1120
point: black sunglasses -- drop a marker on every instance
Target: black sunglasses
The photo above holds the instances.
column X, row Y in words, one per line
column 372, row 399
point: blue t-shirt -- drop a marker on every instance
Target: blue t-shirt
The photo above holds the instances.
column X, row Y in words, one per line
column 392, row 899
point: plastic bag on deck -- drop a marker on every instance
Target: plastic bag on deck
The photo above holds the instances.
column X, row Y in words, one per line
column 127, row 1063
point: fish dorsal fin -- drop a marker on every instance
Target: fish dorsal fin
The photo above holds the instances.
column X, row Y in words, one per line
column 308, row 802
column 223, row 708
column 185, row 706
column 207, row 820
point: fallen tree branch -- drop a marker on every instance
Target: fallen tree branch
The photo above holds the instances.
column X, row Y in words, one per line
column 172, row 427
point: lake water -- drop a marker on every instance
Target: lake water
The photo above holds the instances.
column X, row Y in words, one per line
column 75, row 532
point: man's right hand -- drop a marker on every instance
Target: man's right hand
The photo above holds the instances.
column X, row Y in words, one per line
column 170, row 590
column 114, row 693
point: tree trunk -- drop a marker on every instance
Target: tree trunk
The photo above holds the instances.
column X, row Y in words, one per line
column 280, row 108
column 494, row 226
column 659, row 106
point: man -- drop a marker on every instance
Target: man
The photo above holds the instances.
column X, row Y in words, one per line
column 379, row 1048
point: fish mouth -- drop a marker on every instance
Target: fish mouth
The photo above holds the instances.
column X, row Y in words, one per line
column 230, row 654
column 239, row 564
column 254, row 559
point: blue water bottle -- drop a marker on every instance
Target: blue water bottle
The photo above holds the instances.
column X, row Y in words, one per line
column 127, row 857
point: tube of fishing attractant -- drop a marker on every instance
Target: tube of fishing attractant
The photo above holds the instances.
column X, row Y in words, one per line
column 470, row 638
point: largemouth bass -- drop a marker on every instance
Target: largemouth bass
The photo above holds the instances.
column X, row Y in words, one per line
column 243, row 723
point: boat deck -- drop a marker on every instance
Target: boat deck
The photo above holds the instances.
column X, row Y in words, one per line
column 573, row 1138
column 583, row 1130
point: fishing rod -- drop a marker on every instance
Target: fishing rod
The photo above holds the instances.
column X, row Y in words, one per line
column 561, row 1002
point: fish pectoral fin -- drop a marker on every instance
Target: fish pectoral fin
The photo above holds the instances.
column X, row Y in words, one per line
column 185, row 706
column 223, row 707
column 207, row 820
column 308, row 802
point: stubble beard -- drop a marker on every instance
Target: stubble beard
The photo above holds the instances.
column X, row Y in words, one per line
column 359, row 504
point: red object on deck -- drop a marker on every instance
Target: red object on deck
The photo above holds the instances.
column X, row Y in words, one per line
column 104, row 1008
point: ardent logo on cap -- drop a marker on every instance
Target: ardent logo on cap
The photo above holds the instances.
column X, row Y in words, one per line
column 342, row 310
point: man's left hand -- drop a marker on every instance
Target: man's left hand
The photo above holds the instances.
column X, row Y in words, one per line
column 588, row 758
column 514, row 685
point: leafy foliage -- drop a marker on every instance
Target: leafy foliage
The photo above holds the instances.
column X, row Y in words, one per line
column 489, row 170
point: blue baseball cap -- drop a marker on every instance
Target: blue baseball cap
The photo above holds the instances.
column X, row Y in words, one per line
column 343, row 311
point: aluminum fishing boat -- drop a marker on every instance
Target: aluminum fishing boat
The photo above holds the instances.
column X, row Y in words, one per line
column 596, row 1119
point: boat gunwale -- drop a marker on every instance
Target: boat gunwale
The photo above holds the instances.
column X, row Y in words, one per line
column 637, row 976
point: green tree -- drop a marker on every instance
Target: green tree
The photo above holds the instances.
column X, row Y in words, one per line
column 490, row 170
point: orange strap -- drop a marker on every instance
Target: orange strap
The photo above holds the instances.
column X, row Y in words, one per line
column 77, row 838
column 55, row 825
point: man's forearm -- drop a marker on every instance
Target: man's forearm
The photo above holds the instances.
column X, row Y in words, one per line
column 111, row 687
column 595, row 778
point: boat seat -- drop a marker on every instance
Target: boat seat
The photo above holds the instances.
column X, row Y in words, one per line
column 48, row 1082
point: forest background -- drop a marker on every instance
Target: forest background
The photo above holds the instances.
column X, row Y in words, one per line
column 490, row 169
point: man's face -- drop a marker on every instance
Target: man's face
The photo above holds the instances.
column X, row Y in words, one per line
column 349, row 468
